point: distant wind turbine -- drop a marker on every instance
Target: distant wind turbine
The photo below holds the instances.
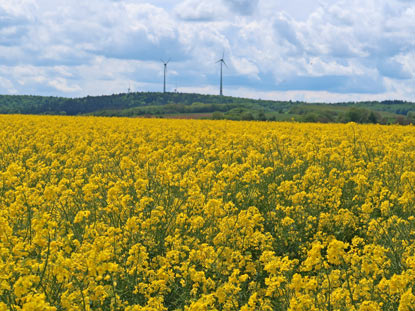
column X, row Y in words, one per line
column 165, row 71
column 222, row 62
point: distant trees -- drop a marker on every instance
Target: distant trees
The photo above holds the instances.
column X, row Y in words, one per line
column 411, row 116
column 217, row 115
column 247, row 116
column 261, row 116
column 329, row 114
column 218, row 107
column 361, row 115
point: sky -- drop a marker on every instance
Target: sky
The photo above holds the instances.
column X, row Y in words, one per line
column 316, row 51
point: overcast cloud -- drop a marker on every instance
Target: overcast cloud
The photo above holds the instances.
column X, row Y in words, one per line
column 325, row 50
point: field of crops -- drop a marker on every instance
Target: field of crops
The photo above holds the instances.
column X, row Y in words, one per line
column 140, row 214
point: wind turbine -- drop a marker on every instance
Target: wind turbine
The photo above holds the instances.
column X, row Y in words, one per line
column 222, row 62
column 165, row 70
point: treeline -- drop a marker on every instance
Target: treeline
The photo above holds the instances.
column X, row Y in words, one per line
column 152, row 104
column 133, row 104
column 355, row 113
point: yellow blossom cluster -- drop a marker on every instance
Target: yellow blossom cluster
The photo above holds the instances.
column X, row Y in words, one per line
column 151, row 214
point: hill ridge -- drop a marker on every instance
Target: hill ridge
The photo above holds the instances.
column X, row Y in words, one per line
column 209, row 106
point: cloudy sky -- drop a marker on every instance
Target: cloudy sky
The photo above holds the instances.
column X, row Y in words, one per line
column 323, row 50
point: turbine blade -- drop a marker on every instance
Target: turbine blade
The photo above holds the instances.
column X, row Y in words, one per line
column 225, row 63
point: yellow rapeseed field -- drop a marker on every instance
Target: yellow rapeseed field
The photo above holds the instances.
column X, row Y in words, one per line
column 137, row 214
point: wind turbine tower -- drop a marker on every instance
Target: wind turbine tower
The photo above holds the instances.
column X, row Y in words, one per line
column 222, row 62
column 165, row 71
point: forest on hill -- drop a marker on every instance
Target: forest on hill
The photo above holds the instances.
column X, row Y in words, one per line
column 185, row 105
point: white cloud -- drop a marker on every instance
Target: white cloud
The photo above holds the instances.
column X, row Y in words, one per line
column 244, row 66
column 7, row 86
column 99, row 46
column 62, row 85
column 200, row 10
